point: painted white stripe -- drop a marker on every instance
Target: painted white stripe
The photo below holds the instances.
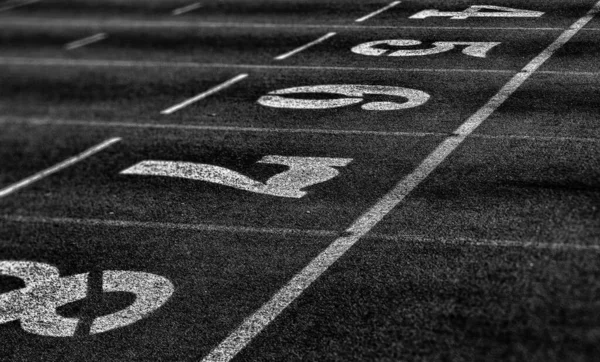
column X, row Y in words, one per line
column 304, row 47
column 118, row 24
column 204, row 94
column 377, row 12
column 85, row 41
column 255, row 323
column 296, row 232
column 186, row 9
column 17, row 4
column 64, row 62
column 49, row 171
column 323, row 131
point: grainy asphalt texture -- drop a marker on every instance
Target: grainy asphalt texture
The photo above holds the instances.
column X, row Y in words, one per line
column 494, row 256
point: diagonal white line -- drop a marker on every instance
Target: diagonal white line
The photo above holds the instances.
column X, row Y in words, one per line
column 17, row 5
column 377, row 12
column 85, row 41
column 204, row 94
column 304, row 47
column 49, row 171
column 255, row 323
column 186, row 9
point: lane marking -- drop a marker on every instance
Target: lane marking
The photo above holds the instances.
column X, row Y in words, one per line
column 49, row 171
column 474, row 49
column 107, row 24
column 52, row 62
column 203, row 95
column 474, row 11
column 377, row 12
column 254, row 324
column 323, row 131
column 64, row 62
column 297, row 232
column 85, row 41
column 304, row 47
column 17, row 4
column 355, row 92
column 186, row 9
column 302, row 172
column 35, row 305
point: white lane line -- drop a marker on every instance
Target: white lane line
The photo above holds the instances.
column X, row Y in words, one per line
column 17, row 4
column 204, row 94
column 64, row 62
column 255, row 323
column 85, row 41
column 323, row 131
column 377, row 12
column 186, row 9
column 128, row 24
column 527, row 244
column 304, row 47
column 49, row 171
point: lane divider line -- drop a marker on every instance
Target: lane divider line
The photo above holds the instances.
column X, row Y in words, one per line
column 527, row 244
column 64, row 62
column 18, row 4
column 186, row 9
column 125, row 23
column 323, row 131
column 304, row 47
column 203, row 95
column 254, row 324
column 85, row 41
column 377, row 12
column 60, row 166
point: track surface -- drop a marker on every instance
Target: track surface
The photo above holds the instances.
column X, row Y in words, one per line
column 430, row 239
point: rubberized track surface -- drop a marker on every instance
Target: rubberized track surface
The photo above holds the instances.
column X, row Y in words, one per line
column 442, row 203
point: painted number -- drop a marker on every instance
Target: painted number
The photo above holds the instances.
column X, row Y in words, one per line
column 302, row 172
column 474, row 49
column 353, row 93
column 475, row 11
column 35, row 305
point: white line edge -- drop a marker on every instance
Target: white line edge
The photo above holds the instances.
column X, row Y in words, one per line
column 62, row 165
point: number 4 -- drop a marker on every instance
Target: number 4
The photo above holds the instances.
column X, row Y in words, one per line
column 475, row 12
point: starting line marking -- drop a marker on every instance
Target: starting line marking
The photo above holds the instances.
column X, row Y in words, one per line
column 85, row 41
column 186, row 9
column 16, row 4
column 66, row 163
column 298, row 232
column 255, row 323
column 203, row 95
column 377, row 12
column 305, row 46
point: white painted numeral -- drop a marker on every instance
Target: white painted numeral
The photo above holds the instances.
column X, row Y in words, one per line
column 474, row 11
column 356, row 92
column 35, row 305
column 302, row 172
column 472, row 48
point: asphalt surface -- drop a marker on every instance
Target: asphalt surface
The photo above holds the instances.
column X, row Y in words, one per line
column 492, row 256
